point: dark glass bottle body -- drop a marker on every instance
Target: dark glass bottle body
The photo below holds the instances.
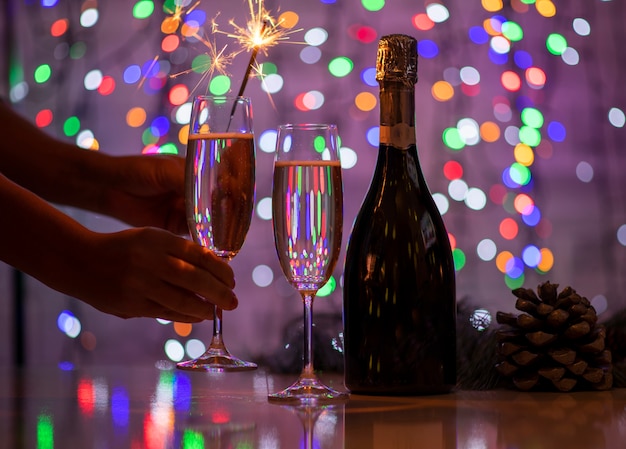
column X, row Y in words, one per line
column 399, row 280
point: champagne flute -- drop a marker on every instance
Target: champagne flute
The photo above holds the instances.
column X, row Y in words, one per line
column 307, row 211
column 219, row 197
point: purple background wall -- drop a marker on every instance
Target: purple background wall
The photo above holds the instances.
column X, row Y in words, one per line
column 577, row 180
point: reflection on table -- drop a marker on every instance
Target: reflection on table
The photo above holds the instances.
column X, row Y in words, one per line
column 161, row 407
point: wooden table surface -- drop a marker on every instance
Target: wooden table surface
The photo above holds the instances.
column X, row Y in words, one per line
column 158, row 407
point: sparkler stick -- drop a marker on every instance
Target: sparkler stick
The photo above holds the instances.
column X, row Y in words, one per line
column 244, row 82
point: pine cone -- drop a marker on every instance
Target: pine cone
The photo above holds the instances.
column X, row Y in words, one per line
column 556, row 343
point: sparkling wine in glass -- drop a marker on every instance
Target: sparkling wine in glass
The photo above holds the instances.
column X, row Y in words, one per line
column 307, row 211
column 219, row 197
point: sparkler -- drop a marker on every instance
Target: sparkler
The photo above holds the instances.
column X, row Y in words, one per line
column 219, row 60
column 260, row 32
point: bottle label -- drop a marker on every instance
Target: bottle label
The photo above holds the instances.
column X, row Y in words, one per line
column 399, row 136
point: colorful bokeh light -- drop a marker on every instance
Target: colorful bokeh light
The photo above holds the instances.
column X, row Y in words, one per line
column 497, row 128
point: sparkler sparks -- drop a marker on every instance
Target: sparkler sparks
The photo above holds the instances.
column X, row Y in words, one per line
column 261, row 32
column 217, row 62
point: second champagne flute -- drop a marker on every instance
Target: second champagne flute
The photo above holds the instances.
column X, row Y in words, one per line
column 219, row 197
column 307, row 212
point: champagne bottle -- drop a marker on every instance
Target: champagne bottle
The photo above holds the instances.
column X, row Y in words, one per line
column 399, row 282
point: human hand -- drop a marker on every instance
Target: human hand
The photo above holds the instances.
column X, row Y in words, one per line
column 146, row 190
column 149, row 272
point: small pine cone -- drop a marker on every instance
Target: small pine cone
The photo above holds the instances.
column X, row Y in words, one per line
column 556, row 342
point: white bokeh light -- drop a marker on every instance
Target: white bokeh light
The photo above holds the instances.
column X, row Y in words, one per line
column 600, row 303
column 174, row 350
column 262, row 275
column 93, row 79
column 469, row 131
column 272, row 83
column 500, row 44
column 85, row 139
column 442, row 202
column 316, row 36
column 584, row 171
column 457, row 189
column 581, row 27
column 267, row 141
column 617, row 117
column 264, row 208
column 621, row 235
column 475, row 199
column 89, row 17
column 570, row 56
column 437, row 12
column 183, row 114
column 486, row 249
column 310, row 54
column 511, row 135
column 348, row 157
column 194, row 348
column 470, row 76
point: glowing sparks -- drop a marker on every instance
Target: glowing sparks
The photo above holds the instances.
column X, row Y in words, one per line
column 262, row 31
column 217, row 62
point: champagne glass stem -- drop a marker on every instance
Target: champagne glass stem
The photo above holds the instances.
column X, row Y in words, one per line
column 217, row 357
column 307, row 300
column 217, row 341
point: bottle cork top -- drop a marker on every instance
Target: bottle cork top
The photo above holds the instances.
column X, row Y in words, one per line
column 397, row 59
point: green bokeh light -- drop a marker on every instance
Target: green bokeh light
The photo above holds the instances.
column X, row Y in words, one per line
column 328, row 288
column 148, row 138
column 78, row 50
column 520, row 174
column 532, row 117
column 452, row 138
column 373, row 5
column 340, row 66
column 529, row 136
column 512, row 31
column 16, row 72
column 268, row 68
column 168, row 148
column 45, row 432
column 201, row 63
column 219, row 85
column 42, row 73
column 143, row 9
column 169, row 6
column 459, row 259
column 192, row 440
column 71, row 126
column 556, row 43
column 513, row 283
column 319, row 143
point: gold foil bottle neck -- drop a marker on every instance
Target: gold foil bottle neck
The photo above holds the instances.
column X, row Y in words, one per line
column 397, row 59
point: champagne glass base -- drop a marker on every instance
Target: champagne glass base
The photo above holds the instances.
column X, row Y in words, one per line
column 308, row 391
column 216, row 360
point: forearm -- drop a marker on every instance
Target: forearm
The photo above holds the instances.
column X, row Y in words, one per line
column 37, row 238
column 57, row 171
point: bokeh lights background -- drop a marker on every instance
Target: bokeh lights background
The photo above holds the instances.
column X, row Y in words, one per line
column 520, row 122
